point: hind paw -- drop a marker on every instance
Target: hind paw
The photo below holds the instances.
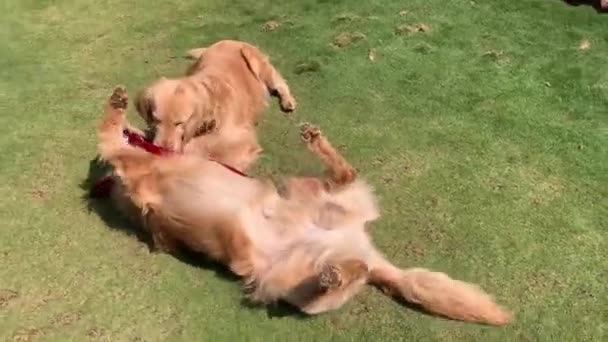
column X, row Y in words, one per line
column 250, row 286
column 288, row 104
column 330, row 277
column 119, row 98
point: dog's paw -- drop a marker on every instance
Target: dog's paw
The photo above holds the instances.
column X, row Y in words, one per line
column 309, row 133
column 250, row 286
column 288, row 104
column 119, row 98
column 330, row 277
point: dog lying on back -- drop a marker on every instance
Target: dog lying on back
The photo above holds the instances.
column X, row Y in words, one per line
column 222, row 96
column 308, row 246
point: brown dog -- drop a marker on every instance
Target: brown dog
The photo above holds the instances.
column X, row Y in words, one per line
column 224, row 93
column 308, row 246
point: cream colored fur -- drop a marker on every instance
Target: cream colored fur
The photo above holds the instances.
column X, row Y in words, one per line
column 212, row 111
column 308, row 246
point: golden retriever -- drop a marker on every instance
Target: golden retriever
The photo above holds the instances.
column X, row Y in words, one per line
column 308, row 246
column 222, row 97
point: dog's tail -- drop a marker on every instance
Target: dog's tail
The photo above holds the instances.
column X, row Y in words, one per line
column 438, row 294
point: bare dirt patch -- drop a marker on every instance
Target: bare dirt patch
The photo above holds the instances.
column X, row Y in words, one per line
column 414, row 250
column 307, row 66
column 65, row 318
column 346, row 17
column 271, row 25
column 346, row 39
column 38, row 194
column 27, row 334
column 95, row 332
column 496, row 56
column 6, row 296
column 412, row 28
column 371, row 55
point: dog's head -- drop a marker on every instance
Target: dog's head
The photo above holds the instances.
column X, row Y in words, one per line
column 175, row 109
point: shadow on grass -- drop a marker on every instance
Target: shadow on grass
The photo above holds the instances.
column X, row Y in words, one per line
column 103, row 208
column 115, row 220
column 593, row 3
column 276, row 310
column 411, row 306
column 108, row 213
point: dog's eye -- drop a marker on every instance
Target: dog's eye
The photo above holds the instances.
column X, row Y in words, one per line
column 179, row 123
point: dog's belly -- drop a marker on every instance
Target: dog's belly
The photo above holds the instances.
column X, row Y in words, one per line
column 274, row 241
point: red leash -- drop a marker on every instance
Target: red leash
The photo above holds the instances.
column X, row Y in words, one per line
column 103, row 187
column 137, row 140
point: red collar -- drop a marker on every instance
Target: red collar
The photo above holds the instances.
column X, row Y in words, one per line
column 103, row 187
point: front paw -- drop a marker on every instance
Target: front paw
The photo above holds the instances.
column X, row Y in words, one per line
column 288, row 104
column 119, row 98
column 309, row 133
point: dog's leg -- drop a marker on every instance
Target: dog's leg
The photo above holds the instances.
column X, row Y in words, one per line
column 258, row 63
column 341, row 172
column 336, row 283
column 275, row 82
column 110, row 128
column 162, row 242
column 138, row 131
column 341, row 274
column 240, row 252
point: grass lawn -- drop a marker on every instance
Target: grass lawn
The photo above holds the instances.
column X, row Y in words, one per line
column 483, row 125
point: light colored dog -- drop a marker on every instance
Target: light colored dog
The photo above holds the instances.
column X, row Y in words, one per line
column 221, row 97
column 308, row 246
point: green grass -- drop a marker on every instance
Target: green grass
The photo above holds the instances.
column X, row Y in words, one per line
column 486, row 138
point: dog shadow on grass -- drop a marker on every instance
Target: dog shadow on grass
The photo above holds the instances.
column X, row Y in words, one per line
column 593, row 3
column 103, row 208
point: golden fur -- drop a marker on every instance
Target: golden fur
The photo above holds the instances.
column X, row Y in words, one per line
column 222, row 97
column 308, row 246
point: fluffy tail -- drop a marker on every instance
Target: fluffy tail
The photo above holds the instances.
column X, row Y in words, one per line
column 439, row 294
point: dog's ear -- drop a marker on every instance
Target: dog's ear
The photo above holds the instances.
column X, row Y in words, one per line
column 144, row 103
column 254, row 59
